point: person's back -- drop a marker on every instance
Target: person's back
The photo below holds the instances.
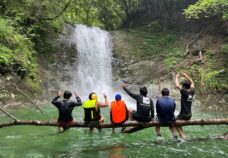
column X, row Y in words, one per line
column 187, row 92
column 90, row 109
column 144, row 105
column 165, row 108
column 118, row 111
column 65, row 108
column 186, row 102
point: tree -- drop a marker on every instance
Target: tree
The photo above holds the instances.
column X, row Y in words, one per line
column 207, row 9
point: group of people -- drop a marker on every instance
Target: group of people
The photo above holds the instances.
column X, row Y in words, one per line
column 119, row 113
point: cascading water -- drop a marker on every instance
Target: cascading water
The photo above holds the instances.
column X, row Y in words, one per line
column 94, row 52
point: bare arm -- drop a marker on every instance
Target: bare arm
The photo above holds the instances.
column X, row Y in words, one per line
column 177, row 83
column 189, row 79
column 105, row 104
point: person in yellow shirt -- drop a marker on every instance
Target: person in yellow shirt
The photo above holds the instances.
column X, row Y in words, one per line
column 92, row 108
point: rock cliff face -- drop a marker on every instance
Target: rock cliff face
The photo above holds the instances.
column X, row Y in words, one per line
column 57, row 73
column 126, row 67
column 151, row 72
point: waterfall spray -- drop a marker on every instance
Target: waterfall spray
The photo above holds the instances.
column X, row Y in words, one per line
column 94, row 52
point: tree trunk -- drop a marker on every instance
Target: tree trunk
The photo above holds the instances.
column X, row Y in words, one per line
column 109, row 125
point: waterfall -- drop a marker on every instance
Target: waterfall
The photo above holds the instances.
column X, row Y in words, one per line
column 93, row 66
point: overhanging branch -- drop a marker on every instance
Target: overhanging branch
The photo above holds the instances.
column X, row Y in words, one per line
column 27, row 97
column 58, row 15
column 7, row 114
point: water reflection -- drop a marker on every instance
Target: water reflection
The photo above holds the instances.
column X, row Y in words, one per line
column 116, row 152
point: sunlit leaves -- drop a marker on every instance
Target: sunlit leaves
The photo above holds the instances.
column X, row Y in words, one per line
column 207, row 8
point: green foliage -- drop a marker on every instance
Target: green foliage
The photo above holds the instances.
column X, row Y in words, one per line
column 224, row 48
column 106, row 14
column 207, row 8
column 5, row 56
column 174, row 56
column 15, row 48
column 42, row 21
column 149, row 42
column 209, row 79
column 36, row 20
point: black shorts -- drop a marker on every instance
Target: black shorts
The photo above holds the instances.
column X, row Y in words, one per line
column 183, row 117
column 137, row 117
column 64, row 124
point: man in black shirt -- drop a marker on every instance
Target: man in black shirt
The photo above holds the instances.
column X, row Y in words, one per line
column 65, row 108
column 144, row 105
column 187, row 92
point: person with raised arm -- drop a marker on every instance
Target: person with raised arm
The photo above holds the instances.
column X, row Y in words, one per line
column 92, row 109
column 186, row 89
column 65, row 108
column 144, row 105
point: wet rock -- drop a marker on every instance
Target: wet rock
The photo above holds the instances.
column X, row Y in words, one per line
column 57, row 75
column 223, row 136
column 67, row 77
column 128, row 80
column 224, row 99
column 13, row 96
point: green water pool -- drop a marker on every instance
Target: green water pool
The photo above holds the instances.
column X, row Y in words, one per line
column 45, row 142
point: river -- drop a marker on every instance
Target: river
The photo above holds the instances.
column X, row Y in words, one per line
column 45, row 142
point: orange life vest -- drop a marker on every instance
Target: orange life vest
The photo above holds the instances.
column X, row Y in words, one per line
column 118, row 111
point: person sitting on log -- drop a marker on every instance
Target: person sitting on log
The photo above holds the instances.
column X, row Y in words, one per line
column 92, row 109
column 165, row 108
column 187, row 93
column 118, row 111
column 144, row 106
column 65, row 108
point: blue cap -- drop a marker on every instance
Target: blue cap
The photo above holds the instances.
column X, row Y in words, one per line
column 118, row 97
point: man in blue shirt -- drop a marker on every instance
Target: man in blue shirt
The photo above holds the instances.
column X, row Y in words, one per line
column 165, row 108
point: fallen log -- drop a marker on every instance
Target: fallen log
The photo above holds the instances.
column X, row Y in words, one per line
column 133, row 129
column 221, row 121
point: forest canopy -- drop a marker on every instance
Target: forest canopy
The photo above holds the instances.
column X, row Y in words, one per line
column 28, row 26
column 207, row 8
